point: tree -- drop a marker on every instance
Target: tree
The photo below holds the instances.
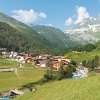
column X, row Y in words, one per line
column 89, row 64
column 60, row 73
column 68, row 72
column 73, row 63
column 49, row 74
column 93, row 64
column 84, row 63
column 96, row 61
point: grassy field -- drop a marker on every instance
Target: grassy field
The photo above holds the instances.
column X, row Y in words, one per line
column 9, row 80
column 83, row 56
column 79, row 89
column 8, row 64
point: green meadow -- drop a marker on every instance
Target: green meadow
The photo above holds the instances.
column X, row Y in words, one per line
column 25, row 75
column 83, row 56
column 8, row 64
column 68, row 89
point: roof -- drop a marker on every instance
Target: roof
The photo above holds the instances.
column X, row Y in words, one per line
column 17, row 92
column 2, row 49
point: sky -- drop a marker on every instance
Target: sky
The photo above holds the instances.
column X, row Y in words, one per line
column 58, row 13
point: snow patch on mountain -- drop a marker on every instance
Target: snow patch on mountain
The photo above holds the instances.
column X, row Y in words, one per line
column 85, row 32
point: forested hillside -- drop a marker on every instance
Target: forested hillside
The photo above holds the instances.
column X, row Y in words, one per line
column 13, row 39
column 55, row 36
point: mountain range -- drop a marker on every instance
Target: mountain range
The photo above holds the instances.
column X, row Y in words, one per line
column 46, row 39
column 31, row 40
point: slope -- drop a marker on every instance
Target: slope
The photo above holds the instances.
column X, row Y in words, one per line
column 55, row 36
column 80, row 89
column 26, row 30
column 15, row 40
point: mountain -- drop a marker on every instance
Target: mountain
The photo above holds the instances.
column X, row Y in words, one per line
column 15, row 40
column 11, row 28
column 85, row 32
column 55, row 36
column 44, row 38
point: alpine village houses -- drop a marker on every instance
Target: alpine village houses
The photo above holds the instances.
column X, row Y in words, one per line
column 40, row 60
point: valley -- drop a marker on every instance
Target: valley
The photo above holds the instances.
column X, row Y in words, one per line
column 49, row 51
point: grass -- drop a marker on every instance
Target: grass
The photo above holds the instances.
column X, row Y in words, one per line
column 79, row 89
column 83, row 56
column 8, row 80
column 8, row 64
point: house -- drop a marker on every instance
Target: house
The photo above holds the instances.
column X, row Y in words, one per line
column 59, row 61
column 30, row 60
column 43, row 62
column 3, row 50
column 13, row 55
column 61, row 58
column 44, row 56
column 57, row 64
column 22, row 57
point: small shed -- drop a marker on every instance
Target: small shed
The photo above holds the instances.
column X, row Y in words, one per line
column 16, row 92
column 97, row 70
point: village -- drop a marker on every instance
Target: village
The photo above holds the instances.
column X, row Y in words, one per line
column 41, row 60
column 44, row 61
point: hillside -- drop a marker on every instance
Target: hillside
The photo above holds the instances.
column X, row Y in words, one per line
column 86, row 52
column 55, row 36
column 80, row 89
column 83, row 56
column 13, row 39
column 35, row 38
column 27, row 32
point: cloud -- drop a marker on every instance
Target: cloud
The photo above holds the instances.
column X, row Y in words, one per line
column 28, row 16
column 69, row 21
column 42, row 15
column 82, row 14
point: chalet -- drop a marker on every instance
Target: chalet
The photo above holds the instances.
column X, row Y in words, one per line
column 44, row 56
column 58, row 61
column 22, row 57
column 43, row 59
column 13, row 55
column 43, row 63
column 31, row 60
column 3, row 50
column 57, row 64
column 61, row 58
